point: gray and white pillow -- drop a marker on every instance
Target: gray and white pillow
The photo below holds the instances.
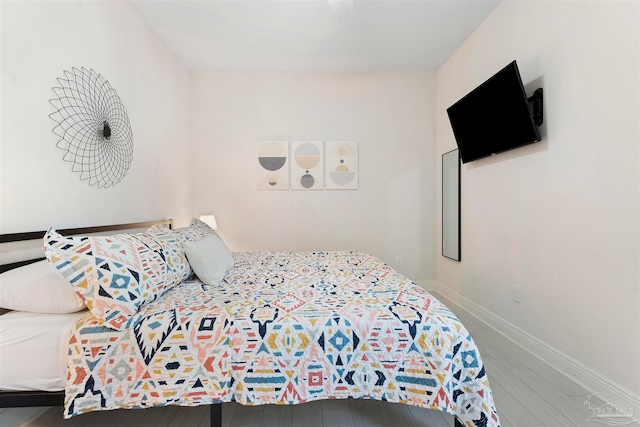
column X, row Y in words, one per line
column 210, row 258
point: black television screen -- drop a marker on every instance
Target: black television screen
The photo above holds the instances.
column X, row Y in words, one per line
column 494, row 117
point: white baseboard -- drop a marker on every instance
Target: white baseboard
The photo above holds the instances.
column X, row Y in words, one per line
column 591, row 380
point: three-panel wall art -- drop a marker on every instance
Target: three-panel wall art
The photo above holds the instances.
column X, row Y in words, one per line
column 307, row 165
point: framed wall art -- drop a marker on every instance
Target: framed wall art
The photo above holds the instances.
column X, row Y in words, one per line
column 272, row 165
column 307, row 165
column 341, row 165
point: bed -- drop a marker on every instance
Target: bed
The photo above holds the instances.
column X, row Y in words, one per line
column 282, row 328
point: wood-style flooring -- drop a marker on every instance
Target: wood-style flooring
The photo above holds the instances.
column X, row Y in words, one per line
column 527, row 392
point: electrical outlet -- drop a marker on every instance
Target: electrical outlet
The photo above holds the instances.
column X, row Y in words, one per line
column 515, row 293
column 398, row 260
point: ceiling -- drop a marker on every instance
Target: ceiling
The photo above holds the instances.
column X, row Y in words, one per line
column 305, row 35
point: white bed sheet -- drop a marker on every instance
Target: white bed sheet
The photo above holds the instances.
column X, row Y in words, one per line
column 33, row 350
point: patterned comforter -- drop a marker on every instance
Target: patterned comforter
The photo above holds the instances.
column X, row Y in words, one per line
column 285, row 328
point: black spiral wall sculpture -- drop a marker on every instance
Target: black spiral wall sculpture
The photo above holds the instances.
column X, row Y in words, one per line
column 93, row 127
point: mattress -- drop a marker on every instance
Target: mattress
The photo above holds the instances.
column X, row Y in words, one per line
column 33, row 350
column 285, row 328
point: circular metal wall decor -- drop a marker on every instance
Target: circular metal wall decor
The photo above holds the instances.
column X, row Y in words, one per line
column 93, row 127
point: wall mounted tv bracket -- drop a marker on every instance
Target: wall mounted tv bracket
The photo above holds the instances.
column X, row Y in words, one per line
column 536, row 108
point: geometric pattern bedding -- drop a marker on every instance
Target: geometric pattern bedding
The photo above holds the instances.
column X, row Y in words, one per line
column 285, row 328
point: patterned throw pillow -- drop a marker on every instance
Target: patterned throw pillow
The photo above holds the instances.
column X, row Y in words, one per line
column 117, row 275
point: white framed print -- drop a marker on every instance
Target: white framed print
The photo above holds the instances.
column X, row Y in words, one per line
column 307, row 165
column 272, row 165
column 341, row 165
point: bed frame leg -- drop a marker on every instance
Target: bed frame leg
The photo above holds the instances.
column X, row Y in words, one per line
column 216, row 414
column 456, row 423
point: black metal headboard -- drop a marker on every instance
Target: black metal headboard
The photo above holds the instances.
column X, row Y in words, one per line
column 33, row 235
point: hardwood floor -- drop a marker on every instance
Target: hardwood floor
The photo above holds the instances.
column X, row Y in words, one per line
column 527, row 393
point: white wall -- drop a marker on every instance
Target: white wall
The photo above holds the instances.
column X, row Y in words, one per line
column 390, row 114
column 38, row 189
column 560, row 217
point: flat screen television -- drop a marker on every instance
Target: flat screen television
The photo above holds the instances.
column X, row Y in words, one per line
column 495, row 116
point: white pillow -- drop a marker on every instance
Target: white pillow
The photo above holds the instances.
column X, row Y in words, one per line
column 210, row 258
column 38, row 288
